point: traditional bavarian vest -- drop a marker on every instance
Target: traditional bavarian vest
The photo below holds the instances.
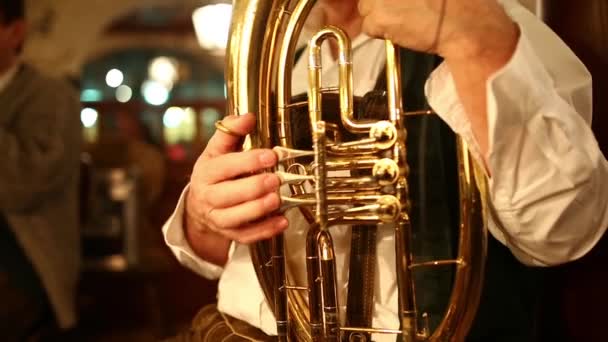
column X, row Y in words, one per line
column 510, row 300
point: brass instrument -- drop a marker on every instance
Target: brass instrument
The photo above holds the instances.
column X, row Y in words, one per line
column 260, row 57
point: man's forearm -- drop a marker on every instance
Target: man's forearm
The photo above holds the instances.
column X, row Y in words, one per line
column 472, row 73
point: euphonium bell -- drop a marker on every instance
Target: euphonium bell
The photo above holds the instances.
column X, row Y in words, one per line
column 260, row 58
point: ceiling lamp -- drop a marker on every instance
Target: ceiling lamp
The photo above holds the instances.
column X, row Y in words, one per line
column 211, row 24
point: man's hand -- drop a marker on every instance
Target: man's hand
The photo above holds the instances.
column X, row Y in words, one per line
column 475, row 37
column 454, row 29
column 228, row 195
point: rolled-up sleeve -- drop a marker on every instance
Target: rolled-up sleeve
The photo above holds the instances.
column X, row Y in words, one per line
column 548, row 192
column 173, row 231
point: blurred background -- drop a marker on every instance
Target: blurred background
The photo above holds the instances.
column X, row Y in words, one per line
column 150, row 76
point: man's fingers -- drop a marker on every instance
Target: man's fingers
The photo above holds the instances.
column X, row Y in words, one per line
column 257, row 231
column 244, row 213
column 231, row 165
column 222, row 142
column 233, row 192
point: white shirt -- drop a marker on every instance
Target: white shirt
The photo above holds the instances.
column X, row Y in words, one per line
column 547, row 188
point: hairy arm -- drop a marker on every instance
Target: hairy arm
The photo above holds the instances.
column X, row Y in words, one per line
column 483, row 53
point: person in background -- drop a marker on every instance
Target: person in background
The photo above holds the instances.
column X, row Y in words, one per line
column 40, row 144
column 144, row 156
column 507, row 84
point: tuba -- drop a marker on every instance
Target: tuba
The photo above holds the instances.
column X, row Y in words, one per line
column 260, row 57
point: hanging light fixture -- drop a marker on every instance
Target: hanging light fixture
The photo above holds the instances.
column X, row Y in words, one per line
column 211, row 24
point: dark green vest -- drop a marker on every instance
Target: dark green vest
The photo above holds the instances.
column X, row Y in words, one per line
column 511, row 294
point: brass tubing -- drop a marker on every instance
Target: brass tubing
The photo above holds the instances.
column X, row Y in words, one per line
column 351, row 163
column 418, row 112
column 274, row 88
column 403, row 235
column 345, row 78
column 372, row 330
column 393, row 84
column 362, row 220
column 329, row 286
column 366, row 147
column 366, row 150
column 468, row 281
column 355, row 143
column 355, row 183
column 306, row 200
column 280, row 293
column 320, row 171
column 386, row 208
column 338, row 198
column 324, row 247
column 457, row 262
column 284, row 65
column 248, row 87
column 313, row 273
column 405, row 282
column 297, row 288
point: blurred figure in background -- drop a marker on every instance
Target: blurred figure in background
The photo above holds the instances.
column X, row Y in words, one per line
column 40, row 143
column 147, row 158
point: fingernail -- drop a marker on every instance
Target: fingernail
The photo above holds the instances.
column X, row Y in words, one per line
column 268, row 158
column 238, row 117
column 281, row 223
column 271, row 182
column 272, row 201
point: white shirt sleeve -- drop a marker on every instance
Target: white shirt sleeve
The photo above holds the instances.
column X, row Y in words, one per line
column 249, row 304
column 548, row 188
column 173, row 231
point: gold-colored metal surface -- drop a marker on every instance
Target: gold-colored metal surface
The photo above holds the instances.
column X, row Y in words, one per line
column 260, row 57
column 219, row 125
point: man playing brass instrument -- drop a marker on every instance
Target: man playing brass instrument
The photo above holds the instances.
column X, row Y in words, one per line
column 507, row 84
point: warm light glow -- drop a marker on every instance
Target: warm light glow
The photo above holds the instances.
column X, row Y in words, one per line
column 212, row 23
column 154, row 92
column 164, row 70
column 173, row 117
column 88, row 117
column 114, row 78
column 123, row 93
column 179, row 125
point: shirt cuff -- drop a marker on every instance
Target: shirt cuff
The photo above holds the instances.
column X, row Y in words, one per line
column 173, row 231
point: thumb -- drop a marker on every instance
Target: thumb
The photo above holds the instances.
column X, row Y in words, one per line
column 222, row 142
